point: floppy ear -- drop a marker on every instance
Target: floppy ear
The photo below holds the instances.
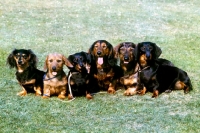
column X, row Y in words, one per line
column 70, row 59
column 46, row 63
column 32, row 58
column 111, row 56
column 10, row 59
column 67, row 62
column 90, row 51
column 88, row 57
column 157, row 51
column 116, row 50
column 137, row 51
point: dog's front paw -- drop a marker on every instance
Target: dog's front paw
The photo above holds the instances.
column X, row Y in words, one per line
column 155, row 93
column 130, row 92
column 22, row 93
column 111, row 90
column 61, row 96
column 89, row 96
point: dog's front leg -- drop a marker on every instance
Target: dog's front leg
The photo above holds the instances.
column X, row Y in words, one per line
column 112, row 86
column 23, row 92
column 38, row 90
column 46, row 91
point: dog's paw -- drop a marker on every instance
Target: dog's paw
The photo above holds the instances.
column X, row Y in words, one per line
column 61, row 96
column 89, row 96
column 69, row 97
column 111, row 90
column 155, row 94
column 22, row 93
column 130, row 92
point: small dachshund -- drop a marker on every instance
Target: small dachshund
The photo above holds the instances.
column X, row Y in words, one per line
column 55, row 79
column 125, row 52
column 159, row 75
column 28, row 76
column 79, row 76
column 104, row 66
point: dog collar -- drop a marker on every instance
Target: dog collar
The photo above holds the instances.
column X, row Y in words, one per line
column 49, row 78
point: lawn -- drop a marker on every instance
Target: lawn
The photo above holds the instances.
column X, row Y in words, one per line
column 69, row 26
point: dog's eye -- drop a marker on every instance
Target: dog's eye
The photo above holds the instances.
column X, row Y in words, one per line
column 104, row 47
column 50, row 60
column 75, row 60
column 58, row 61
column 143, row 48
column 17, row 56
column 24, row 56
column 81, row 58
column 96, row 46
column 150, row 48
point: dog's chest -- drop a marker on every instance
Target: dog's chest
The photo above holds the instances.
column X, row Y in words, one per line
column 79, row 79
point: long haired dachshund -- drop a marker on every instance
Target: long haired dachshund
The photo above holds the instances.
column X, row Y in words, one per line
column 159, row 75
column 104, row 68
column 28, row 76
column 55, row 79
column 79, row 76
column 125, row 52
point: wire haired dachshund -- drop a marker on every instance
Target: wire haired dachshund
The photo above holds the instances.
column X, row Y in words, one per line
column 79, row 75
column 55, row 79
column 159, row 75
column 28, row 76
column 129, row 65
column 104, row 66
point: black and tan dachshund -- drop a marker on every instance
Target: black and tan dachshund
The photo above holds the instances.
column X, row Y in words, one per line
column 28, row 76
column 129, row 65
column 79, row 75
column 159, row 75
column 104, row 66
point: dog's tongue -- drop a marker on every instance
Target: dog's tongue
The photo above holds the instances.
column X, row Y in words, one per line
column 54, row 73
column 125, row 62
column 100, row 60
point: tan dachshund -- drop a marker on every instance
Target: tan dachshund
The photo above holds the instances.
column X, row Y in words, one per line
column 55, row 80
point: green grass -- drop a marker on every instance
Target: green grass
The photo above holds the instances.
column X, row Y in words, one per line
column 69, row 26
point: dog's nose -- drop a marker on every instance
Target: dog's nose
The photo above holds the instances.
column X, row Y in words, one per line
column 99, row 52
column 126, row 58
column 53, row 68
column 19, row 62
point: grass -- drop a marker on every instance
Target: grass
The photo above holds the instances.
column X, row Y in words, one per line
column 71, row 26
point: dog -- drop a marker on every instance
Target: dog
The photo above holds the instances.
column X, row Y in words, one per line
column 79, row 76
column 129, row 65
column 28, row 76
column 55, row 79
column 158, row 75
column 104, row 66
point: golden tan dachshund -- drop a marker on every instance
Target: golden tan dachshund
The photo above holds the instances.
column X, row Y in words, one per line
column 55, row 79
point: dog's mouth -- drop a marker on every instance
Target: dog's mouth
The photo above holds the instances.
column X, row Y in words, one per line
column 126, row 62
column 54, row 73
column 100, row 60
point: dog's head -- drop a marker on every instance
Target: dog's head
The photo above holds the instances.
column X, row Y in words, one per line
column 54, row 63
column 125, row 52
column 21, row 59
column 81, row 61
column 102, row 49
column 147, row 51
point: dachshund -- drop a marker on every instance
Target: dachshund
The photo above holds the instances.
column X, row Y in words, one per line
column 79, row 75
column 104, row 66
column 27, row 74
column 55, row 79
column 159, row 75
column 129, row 65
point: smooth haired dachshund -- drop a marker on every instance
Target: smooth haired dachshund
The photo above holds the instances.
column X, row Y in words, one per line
column 28, row 76
column 79, row 75
column 104, row 66
column 159, row 75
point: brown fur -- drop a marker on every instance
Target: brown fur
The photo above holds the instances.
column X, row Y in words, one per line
column 104, row 68
column 55, row 80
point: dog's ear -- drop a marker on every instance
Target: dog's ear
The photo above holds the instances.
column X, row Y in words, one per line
column 111, row 56
column 116, row 50
column 91, row 49
column 10, row 59
column 157, row 51
column 67, row 62
column 46, row 63
column 70, row 59
column 32, row 58
column 137, row 51
column 88, row 57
